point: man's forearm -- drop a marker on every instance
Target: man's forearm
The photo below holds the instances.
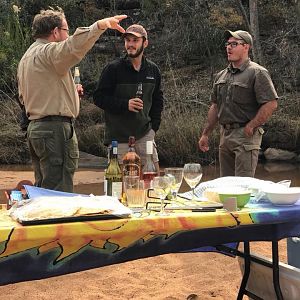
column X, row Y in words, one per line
column 212, row 120
column 263, row 114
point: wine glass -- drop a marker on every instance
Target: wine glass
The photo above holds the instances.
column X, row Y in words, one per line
column 176, row 178
column 161, row 186
column 192, row 174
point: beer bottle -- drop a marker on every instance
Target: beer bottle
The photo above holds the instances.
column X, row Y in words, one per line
column 139, row 92
column 76, row 76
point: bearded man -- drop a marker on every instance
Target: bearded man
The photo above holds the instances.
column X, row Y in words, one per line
column 126, row 113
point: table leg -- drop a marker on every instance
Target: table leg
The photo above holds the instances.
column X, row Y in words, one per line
column 242, row 290
column 275, row 261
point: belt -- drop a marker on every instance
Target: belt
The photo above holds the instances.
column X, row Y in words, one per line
column 233, row 125
column 55, row 118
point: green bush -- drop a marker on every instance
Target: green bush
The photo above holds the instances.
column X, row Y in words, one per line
column 14, row 149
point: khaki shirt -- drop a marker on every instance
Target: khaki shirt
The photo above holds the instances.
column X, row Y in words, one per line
column 239, row 93
column 45, row 81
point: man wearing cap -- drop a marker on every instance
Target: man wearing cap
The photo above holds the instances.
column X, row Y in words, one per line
column 243, row 99
column 125, row 113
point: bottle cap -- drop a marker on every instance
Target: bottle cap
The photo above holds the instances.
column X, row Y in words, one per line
column 149, row 147
column 131, row 140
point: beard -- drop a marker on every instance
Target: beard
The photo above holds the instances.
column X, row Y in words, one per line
column 137, row 53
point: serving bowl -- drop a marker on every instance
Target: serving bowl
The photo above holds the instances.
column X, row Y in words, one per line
column 242, row 195
column 283, row 196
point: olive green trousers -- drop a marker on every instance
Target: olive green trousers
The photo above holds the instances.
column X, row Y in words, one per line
column 54, row 151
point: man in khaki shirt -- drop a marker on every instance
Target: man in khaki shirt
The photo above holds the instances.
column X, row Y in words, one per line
column 243, row 99
column 49, row 95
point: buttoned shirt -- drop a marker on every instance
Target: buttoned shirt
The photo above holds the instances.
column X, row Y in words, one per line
column 239, row 92
column 45, row 81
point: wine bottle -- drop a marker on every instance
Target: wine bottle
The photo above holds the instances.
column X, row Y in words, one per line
column 131, row 160
column 113, row 174
column 139, row 92
column 149, row 170
column 109, row 155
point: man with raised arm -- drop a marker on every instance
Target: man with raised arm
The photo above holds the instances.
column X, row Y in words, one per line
column 50, row 97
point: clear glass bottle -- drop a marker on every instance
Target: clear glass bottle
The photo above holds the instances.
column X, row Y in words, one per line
column 109, row 155
column 131, row 160
column 113, row 173
column 149, row 170
column 76, row 76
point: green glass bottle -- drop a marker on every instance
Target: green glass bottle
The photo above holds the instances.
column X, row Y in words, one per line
column 113, row 174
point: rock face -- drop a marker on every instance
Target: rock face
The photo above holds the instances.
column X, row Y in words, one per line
column 279, row 154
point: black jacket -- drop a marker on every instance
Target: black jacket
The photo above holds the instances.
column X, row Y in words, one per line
column 117, row 84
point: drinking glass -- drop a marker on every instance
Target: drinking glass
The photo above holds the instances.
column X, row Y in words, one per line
column 134, row 191
column 177, row 176
column 161, row 186
column 192, row 174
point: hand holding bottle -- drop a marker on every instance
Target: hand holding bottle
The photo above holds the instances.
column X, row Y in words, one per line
column 79, row 89
column 77, row 81
column 135, row 104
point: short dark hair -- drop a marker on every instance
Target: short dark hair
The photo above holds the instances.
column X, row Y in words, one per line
column 46, row 21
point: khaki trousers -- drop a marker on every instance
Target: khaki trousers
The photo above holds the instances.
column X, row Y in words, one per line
column 140, row 147
column 54, row 151
column 238, row 154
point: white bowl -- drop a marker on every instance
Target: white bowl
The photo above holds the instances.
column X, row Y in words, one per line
column 284, row 196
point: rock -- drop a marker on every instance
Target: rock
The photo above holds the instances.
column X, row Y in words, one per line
column 276, row 167
column 87, row 160
column 279, row 154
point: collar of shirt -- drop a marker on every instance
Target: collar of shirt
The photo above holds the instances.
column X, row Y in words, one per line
column 42, row 41
column 128, row 62
column 233, row 70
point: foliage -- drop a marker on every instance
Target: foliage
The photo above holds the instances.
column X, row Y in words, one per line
column 186, row 41
column 14, row 40
column 90, row 130
column 13, row 148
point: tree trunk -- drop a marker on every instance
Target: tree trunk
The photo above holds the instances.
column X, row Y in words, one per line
column 254, row 25
column 242, row 10
column 297, row 4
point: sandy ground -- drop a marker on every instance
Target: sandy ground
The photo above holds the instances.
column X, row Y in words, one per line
column 165, row 277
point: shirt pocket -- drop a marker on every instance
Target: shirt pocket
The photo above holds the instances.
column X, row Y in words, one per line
column 222, row 88
column 242, row 93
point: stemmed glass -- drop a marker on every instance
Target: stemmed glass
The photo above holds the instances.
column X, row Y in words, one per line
column 176, row 179
column 161, row 186
column 192, row 174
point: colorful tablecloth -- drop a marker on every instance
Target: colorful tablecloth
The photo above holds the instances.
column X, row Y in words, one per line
column 39, row 251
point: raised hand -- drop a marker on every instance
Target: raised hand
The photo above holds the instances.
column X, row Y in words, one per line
column 112, row 23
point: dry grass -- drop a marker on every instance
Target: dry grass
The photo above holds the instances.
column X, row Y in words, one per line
column 187, row 101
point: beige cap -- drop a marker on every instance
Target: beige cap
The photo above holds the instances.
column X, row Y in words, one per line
column 241, row 35
column 136, row 30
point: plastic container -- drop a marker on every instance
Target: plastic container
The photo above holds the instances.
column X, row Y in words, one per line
column 16, row 196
